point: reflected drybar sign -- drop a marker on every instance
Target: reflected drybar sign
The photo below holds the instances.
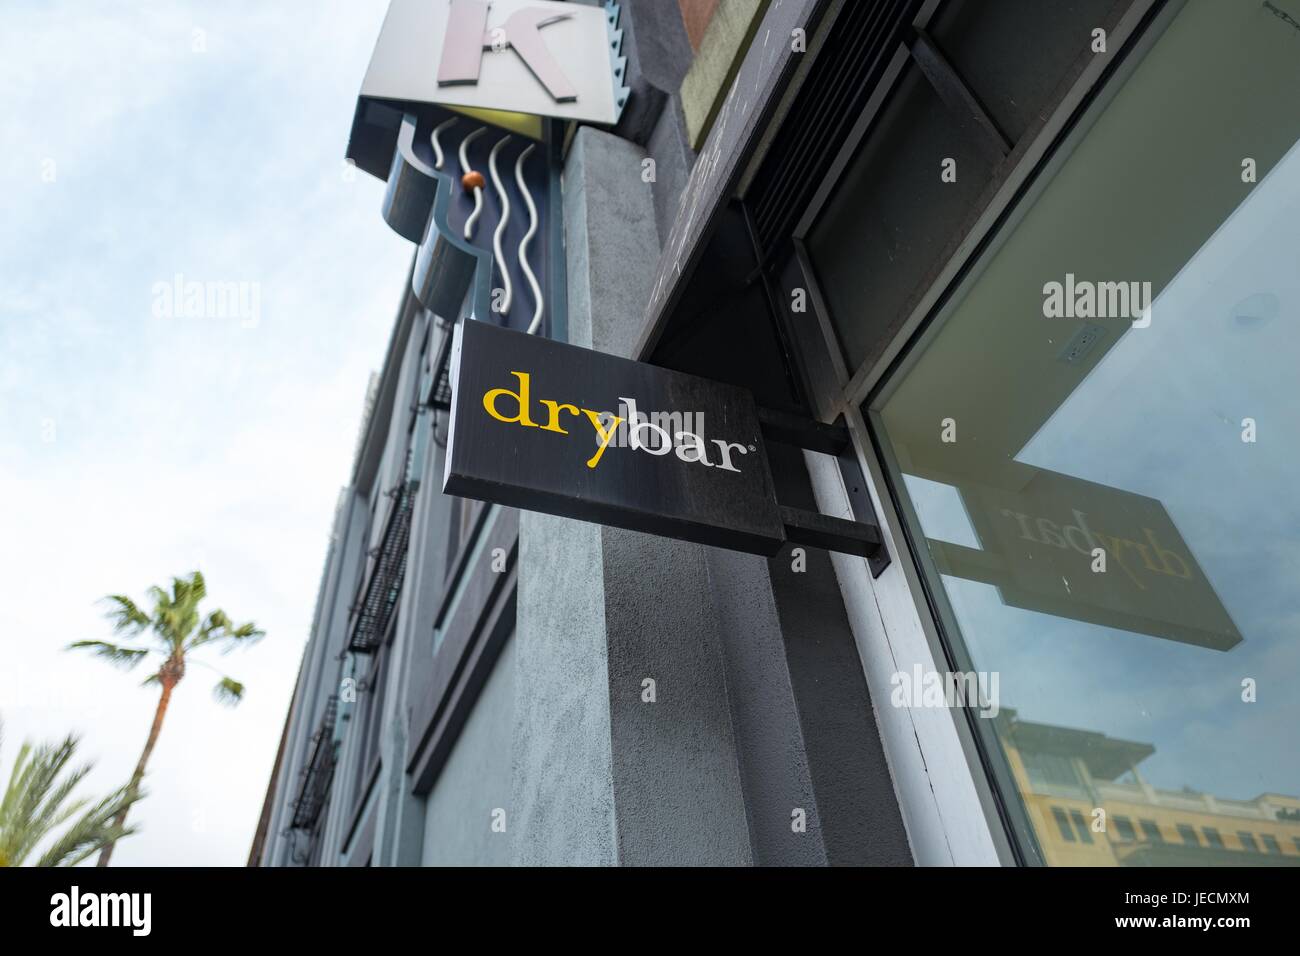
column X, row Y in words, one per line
column 520, row 56
column 1039, row 547
column 550, row 427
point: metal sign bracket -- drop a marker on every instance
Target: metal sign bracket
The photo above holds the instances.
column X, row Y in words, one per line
column 862, row 536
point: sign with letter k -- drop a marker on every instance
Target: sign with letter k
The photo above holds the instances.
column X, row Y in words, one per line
column 530, row 57
column 468, row 35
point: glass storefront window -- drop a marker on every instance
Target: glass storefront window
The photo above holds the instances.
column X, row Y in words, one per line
column 1095, row 448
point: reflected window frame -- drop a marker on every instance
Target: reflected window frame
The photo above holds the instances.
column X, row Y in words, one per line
column 837, row 390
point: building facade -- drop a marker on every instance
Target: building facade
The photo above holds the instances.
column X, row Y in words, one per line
column 1024, row 271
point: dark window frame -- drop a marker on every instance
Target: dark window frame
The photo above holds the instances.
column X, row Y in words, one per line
column 853, row 390
column 1080, row 826
column 1151, row 830
column 1063, row 825
column 1124, row 827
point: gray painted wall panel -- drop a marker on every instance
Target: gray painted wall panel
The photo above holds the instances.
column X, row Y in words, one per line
column 770, row 744
column 676, row 779
column 602, row 777
column 475, row 781
column 563, row 789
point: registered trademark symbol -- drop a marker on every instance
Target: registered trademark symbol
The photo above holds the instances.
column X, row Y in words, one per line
column 752, row 448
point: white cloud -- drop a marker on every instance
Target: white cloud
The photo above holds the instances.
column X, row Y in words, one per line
column 134, row 448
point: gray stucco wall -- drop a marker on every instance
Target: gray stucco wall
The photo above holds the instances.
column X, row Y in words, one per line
column 476, row 781
column 602, row 775
column 759, row 710
column 677, row 787
column 773, row 762
column 563, row 788
column 611, row 242
column 760, row 706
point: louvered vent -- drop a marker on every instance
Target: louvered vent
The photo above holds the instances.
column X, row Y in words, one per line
column 857, row 48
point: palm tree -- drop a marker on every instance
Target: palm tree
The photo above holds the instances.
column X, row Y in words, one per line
column 36, row 803
column 175, row 628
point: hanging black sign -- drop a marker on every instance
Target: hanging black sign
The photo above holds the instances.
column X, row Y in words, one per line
column 1043, row 544
column 545, row 426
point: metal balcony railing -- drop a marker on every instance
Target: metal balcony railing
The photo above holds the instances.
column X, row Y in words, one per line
column 439, row 395
column 319, row 772
column 384, row 585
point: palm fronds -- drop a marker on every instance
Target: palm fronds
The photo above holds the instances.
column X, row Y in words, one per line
column 174, row 623
column 174, row 627
column 228, row 691
column 219, row 629
column 126, row 615
column 38, row 800
column 123, row 657
column 94, row 830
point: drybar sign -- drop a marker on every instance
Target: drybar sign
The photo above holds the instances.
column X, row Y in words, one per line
column 550, row 427
column 1040, row 546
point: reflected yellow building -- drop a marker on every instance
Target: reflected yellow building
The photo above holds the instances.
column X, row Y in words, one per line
column 1065, row 775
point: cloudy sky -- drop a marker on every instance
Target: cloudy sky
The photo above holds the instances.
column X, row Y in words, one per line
column 145, row 142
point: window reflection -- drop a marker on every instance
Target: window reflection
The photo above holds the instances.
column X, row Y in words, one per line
column 1108, row 499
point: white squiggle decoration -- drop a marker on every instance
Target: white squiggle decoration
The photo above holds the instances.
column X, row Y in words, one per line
column 472, row 221
column 437, row 146
column 528, row 236
column 504, row 198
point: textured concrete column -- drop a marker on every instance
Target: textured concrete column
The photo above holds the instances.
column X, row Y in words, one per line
column 677, row 786
column 600, row 776
column 773, row 759
column 562, row 796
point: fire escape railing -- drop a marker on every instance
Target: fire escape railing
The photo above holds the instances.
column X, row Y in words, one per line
column 381, row 591
column 439, row 395
column 319, row 772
